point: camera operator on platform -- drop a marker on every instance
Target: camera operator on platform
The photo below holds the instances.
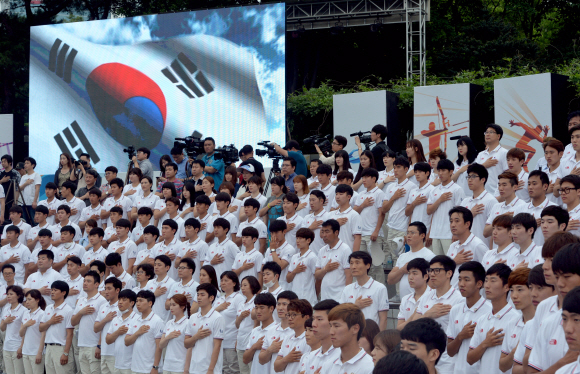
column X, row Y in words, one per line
column 182, row 164
column 338, row 144
column 247, row 156
column 292, row 149
column 85, row 165
column 141, row 161
column 213, row 168
column 378, row 136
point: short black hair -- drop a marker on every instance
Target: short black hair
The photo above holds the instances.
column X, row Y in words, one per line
column 501, row 270
column 567, row 260
column 209, row 288
column 10, row 266
column 370, row 172
column 253, row 203
column 561, row 214
column 527, row 220
column 465, row 213
column 571, row 302
column 171, row 223
column 265, row 298
column 536, row 277
column 70, row 185
column 420, row 227
column 116, row 209
column 288, row 295
column 426, row 331
column 113, row 259
column 148, row 269
column 118, row 182
column 95, row 191
column 51, row 186
column 60, row 285
column 324, row 169
column 45, row 232
column 476, row 268
column 153, row 230
column 572, row 179
column 446, row 261
column 273, row 267
column 290, row 160
column 99, row 264
column 41, row 209
column 165, row 259
column 69, row 229
column 8, row 159
column 73, row 259
column 445, row 164
column 46, row 252
column 380, row 130
column 147, row 295
column 251, row 231
column 31, row 160
column 540, row 174
column 277, row 225
column 478, row 169
column 145, row 210
column 13, row 228
column 116, row 282
column 144, row 150
column 193, row 223
column 344, row 188
column 223, row 223
column 112, row 169
column 320, row 195
column 125, row 223
column 420, row 264
column 96, row 276
column 292, row 198
column 400, row 362
column 496, row 128
column 128, row 294
column 325, row 305
column 402, row 161
column 362, row 255
column 422, row 166
column 333, row 224
column 189, row 263
column 341, row 140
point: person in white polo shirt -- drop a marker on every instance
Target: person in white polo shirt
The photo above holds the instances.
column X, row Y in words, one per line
column 569, row 191
column 302, row 267
column 67, row 248
column 15, row 214
column 251, row 208
column 85, row 315
column 347, row 323
column 222, row 253
column 485, row 344
column 173, row 337
column 124, row 246
column 294, row 346
column 33, row 347
column 265, row 305
column 464, row 316
column 75, row 204
column 51, row 202
column 106, row 313
column 324, row 174
column 481, row 202
column 493, row 158
column 40, row 216
column 249, row 260
column 186, row 285
column 15, row 253
column 56, row 322
column 280, row 250
column 416, row 235
column 222, row 203
column 97, row 252
column 418, row 278
column 417, row 199
column 570, row 312
column 515, row 159
column 74, row 280
column 63, row 215
column 292, row 219
column 349, row 219
column 160, row 286
column 332, row 267
column 114, row 263
column 144, row 335
column 443, row 197
column 507, row 185
column 193, row 247
column 425, row 339
column 504, row 247
column 116, row 198
column 44, row 277
column 523, row 228
column 12, row 315
column 317, row 216
column 370, row 296
column 93, row 210
column 118, row 328
column 204, row 333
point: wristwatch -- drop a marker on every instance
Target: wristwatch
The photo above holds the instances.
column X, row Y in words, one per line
column 155, row 367
column 64, row 353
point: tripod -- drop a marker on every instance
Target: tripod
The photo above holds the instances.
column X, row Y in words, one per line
column 275, row 169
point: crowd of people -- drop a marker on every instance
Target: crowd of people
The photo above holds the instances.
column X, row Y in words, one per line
column 205, row 274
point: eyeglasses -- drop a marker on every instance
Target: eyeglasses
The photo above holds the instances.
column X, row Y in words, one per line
column 489, row 133
column 182, row 268
column 472, row 176
column 293, row 315
column 566, row 190
column 140, row 272
column 435, row 270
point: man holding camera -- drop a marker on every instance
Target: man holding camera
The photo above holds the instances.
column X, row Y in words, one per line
column 213, row 168
column 338, row 144
column 247, row 156
column 141, row 161
column 180, row 161
column 292, row 149
column 84, row 165
column 378, row 136
column 90, row 180
column 10, row 180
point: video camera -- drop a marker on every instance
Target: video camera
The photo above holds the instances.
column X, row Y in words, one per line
column 228, row 153
column 130, row 151
column 323, row 143
column 269, row 152
column 365, row 138
column 193, row 144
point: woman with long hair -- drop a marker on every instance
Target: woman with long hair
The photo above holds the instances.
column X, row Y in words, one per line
column 341, row 163
column 207, row 274
column 174, row 335
column 228, row 308
column 133, row 186
column 273, row 206
column 12, row 315
column 466, row 155
column 250, row 288
column 366, row 161
column 254, row 191
column 386, row 342
column 367, row 339
column 187, row 201
column 303, row 193
column 66, row 171
column 168, row 190
column 208, row 188
column 231, row 175
column 415, row 154
column 164, row 160
column 146, row 199
column 33, row 346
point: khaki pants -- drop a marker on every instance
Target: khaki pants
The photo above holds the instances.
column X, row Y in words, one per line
column 107, row 364
column 12, row 365
column 376, row 272
column 52, row 361
column 74, row 350
column 231, row 361
column 123, row 371
column 30, row 366
column 88, row 363
column 441, row 246
column 244, row 369
column 2, row 335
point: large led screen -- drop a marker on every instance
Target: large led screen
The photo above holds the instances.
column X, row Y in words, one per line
column 101, row 86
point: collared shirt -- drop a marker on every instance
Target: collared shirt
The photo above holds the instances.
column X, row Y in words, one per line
column 362, row 363
column 24, row 228
column 89, row 211
column 370, row 290
column 145, row 345
column 403, row 259
column 472, row 244
column 147, row 168
column 51, row 205
column 123, row 354
column 459, row 316
column 512, row 337
column 429, row 299
column 12, row 339
column 32, row 336
column 575, row 215
column 126, row 279
column 276, row 333
column 236, row 299
column 499, row 154
column 254, row 257
column 294, row 342
column 178, row 187
column 532, row 255
column 200, row 357
column 323, row 215
column 104, row 310
column 284, row 252
column 87, row 335
column 140, row 201
column 66, row 249
column 180, row 233
column 56, row 231
column 57, row 333
column 567, row 164
column 123, row 202
column 22, row 252
column 199, row 247
column 536, row 211
column 550, row 343
column 503, row 319
column 176, row 351
column 257, row 333
column 544, row 309
column 329, row 191
column 159, row 306
column 291, row 234
column 397, row 219
column 370, row 214
column 521, row 349
column 502, row 208
column 352, row 226
column 33, row 233
column 90, row 255
column 219, row 165
column 247, row 324
column 74, row 284
column 38, row 280
column 571, row 368
column 227, row 249
column 303, row 284
column 316, row 359
column 440, row 219
column 256, row 223
column 408, row 305
column 334, row 281
column 420, row 211
column 492, row 256
column 162, row 249
column 231, row 218
column 75, row 203
column 289, row 181
column 522, row 193
column 188, row 289
column 478, row 224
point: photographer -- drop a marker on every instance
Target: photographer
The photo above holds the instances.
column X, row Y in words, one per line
column 292, row 149
column 197, row 167
column 180, row 161
column 141, row 161
column 9, row 178
column 90, row 180
column 84, row 165
column 213, row 168
column 378, row 136
column 338, row 144
column 247, row 157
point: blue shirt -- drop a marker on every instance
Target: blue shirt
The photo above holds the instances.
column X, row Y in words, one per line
column 301, row 167
column 181, row 169
column 218, row 176
column 290, row 182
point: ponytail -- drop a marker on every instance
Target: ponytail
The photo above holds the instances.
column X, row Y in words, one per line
column 181, row 300
column 35, row 294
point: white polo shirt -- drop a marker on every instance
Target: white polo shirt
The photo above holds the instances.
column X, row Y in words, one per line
column 123, row 354
column 536, row 211
column 66, row 249
column 492, row 256
column 253, row 257
column 524, row 335
column 373, row 290
column 123, row 202
column 500, row 154
column 575, row 215
column 512, row 337
column 229, row 314
column 478, row 224
column 362, row 363
column 52, row 205
column 231, row 218
column 550, row 343
column 553, row 176
column 57, row 333
column 502, row 208
column 90, row 255
column 136, row 234
column 89, row 211
column 199, row 247
column 404, row 258
column 384, row 175
column 258, row 224
column 180, row 233
column 316, row 359
column 200, row 357
column 74, row 284
column 190, row 288
column 323, row 215
column 129, row 252
column 144, row 347
column 87, row 335
column 247, row 323
column 33, row 233
column 12, row 338
column 420, row 211
column 397, row 219
column 24, row 228
column 176, row 351
column 56, row 231
column 23, row 253
column 472, row 243
column 37, row 280
column 459, row 316
column 159, row 306
column 306, row 210
column 544, row 309
column 276, row 333
column 75, row 203
column 32, row 336
column 140, row 201
column 352, row 226
column 532, row 255
column 261, row 199
column 126, row 279
column 522, row 193
column 351, row 202
column 104, row 310
column 567, row 164
column 440, row 223
column 163, row 249
column 408, row 305
column 303, row 284
column 333, row 282
column 129, row 187
column 257, row 333
column 572, row 368
column 290, row 343
column 291, row 235
column 228, row 250
column 503, row 319
column 370, row 215
column 329, row 191
column 109, row 232
column 285, row 252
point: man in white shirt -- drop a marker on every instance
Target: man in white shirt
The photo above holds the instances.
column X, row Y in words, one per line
column 443, row 197
column 504, row 248
column 160, row 286
column 105, row 316
column 114, row 262
column 464, row 316
column 515, row 159
column 302, row 267
column 63, row 215
column 45, row 240
column 324, row 173
column 15, row 214
column 116, row 198
column 493, row 158
column 144, row 219
column 115, row 336
column 314, row 220
column 293, row 220
column 221, row 255
column 288, row 360
column 30, row 187
column 481, row 202
column 506, row 186
column 44, row 277
column 417, row 201
column 321, row 331
column 418, row 269
column 51, row 201
column 75, row 204
column 369, row 205
column 251, row 208
column 265, row 305
column 186, row 285
column 202, row 204
column 570, row 313
column 67, row 248
column 523, row 228
column 347, row 217
column 75, row 283
column 124, row 245
column 313, row 183
column 222, row 203
column 172, row 206
column 425, row 339
column 93, row 210
column 85, row 315
column 280, row 251
column 15, row 253
column 553, row 219
column 249, row 261
column 332, row 267
column 370, row 296
column 569, row 191
column 96, row 252
column 416, row 234
column 193, row 248
column 40, row 215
